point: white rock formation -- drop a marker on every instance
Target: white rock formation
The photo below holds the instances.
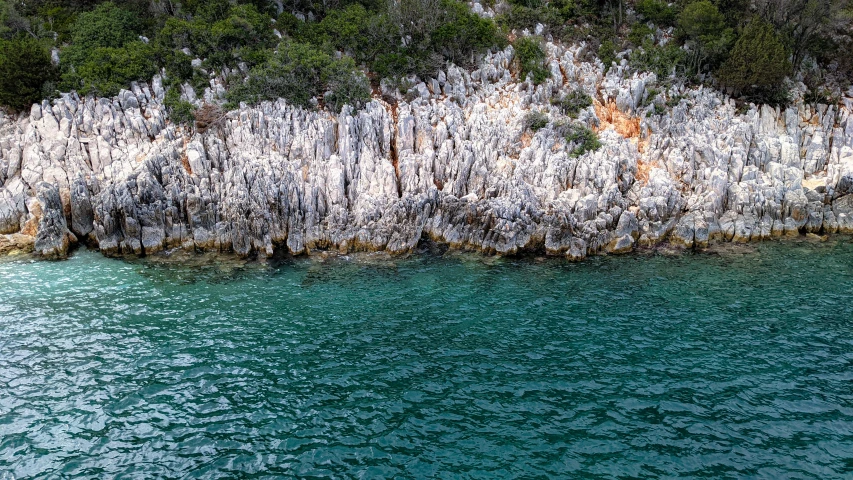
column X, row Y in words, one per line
column 453, row 164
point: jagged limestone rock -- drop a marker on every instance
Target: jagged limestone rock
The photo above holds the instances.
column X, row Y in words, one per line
column 454, row 165
column 53, row 238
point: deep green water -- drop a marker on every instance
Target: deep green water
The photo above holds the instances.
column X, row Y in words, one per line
column 732, row 364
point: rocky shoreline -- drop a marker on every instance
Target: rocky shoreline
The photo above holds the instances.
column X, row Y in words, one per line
column 448, row 161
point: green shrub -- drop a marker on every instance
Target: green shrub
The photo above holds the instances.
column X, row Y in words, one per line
column 758, row 64
column 107, row 26
column 180, row 111
column 346, row 85
column 561, row 18
column 299, row 72
column 241, row 34
column 607, row 53
column 530, row 58
column 244, row 28
column 708, row 37
column 581, row 137
column 520, row 17
column 60, row 20
column 464, row 34
column 657, row 12
column 640, row 33
column 178, row 65
column 664, row 61
column 534, row 121
column 104, row 71
column 573, row 102
column 346, row 30
column 288, row 24
column 393, row 65
column 527, row 3
column 25, row 67
column 105, row 54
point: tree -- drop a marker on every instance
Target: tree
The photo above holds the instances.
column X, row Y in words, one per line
column 708, row 37
column 804, row 22
column 107, row 70
column 106, row 26
column 24, row 68
column 758, row 63
column 656, row 11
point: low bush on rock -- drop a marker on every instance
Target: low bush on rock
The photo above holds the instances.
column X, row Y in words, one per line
column 572, row 103
column 180, row 111
column 582, row 138
column 534, row 121
column 530, row 59
column 299, row 72
column 665, row 61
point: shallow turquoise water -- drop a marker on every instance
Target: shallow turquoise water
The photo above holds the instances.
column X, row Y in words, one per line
column 735, row 364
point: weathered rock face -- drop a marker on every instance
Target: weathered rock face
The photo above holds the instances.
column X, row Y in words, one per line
column 452, row 164
column 53, row 237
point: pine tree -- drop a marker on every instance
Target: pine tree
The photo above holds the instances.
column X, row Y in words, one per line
column 758, row 63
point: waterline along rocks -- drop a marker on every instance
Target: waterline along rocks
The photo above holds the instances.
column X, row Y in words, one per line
column 450, row 161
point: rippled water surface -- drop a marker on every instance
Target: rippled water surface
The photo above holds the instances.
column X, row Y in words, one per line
column 733, row 364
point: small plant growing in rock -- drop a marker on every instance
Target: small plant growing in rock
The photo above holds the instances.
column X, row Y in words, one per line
column 651, row 94
column 534, row 121
column 607, row 53
column 573, row 102
column 583, row 138
column 531, row 59
column 180, row 111
column 674, row 100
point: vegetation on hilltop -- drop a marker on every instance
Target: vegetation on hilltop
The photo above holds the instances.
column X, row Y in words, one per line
column 328, row 53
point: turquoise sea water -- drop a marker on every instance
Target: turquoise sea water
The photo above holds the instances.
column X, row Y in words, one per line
column 734, row 364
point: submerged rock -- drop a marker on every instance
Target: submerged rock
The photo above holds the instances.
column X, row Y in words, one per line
column 16, row 243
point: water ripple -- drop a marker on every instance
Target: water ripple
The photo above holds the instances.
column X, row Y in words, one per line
column 707, row 365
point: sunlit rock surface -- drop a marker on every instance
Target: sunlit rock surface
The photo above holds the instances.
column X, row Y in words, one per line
column 449, row 162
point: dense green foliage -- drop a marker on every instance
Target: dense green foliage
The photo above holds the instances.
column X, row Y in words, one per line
column 104, row 46
column 105, row 53
column 657, row 11
column 299, row 72
column 267, row 49
column 758, row 63
column 530, row 58
column 24, row 67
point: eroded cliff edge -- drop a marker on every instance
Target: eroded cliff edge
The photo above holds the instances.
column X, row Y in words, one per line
column 453, row 164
